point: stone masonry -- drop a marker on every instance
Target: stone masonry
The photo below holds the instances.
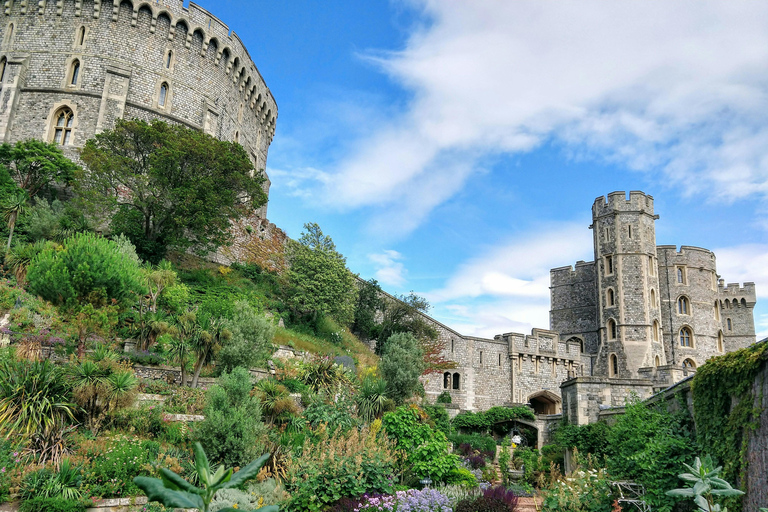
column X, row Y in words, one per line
column 101, row 60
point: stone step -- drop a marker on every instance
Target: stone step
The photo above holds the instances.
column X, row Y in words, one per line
column 528, row 504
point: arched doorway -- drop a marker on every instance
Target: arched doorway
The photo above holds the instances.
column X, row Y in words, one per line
column 545, row 402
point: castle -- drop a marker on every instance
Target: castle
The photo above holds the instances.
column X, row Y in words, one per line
column 70, row 68
column 637, row 319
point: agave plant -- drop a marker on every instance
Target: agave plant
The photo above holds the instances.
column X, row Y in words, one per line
column 276, row 401
column 705, row 485
column 172, row 491
column 371, row 398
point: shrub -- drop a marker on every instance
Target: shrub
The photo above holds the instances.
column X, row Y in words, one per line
column 530, row 460
column 401, row 365
column 439, row 416
column 494, row 499
column 251, row 340
column 232, row 426
column 114, row 463
column 40, row 503
column 467, row 444
column 444, row 398
column 88, row 269
column 476, row 461
column 11, row 465
column 371, row 398
column 585, row 490
column 339, row 465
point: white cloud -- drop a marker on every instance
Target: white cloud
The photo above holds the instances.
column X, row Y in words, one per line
column 677, row 87
column 390, row 271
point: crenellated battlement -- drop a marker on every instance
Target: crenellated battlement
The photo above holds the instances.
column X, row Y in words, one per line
column 568, row 275
column 735, row 291
column 618, row 202
column 193, row 25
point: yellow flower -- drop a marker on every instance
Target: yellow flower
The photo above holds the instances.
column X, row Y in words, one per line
column 235, row 506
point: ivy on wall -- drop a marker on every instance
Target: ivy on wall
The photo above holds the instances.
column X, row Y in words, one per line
column 724, row 408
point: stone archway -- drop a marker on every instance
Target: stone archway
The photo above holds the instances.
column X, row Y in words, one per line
column 545, row 402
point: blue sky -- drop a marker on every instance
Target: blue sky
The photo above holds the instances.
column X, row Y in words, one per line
column 455, row 148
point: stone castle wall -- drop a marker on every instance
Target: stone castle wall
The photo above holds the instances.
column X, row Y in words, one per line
column 125, row 52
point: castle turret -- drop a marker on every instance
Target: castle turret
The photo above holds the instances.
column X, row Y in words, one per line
column 629, row 315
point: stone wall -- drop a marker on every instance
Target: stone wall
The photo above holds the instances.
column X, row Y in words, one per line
column 125, row 52
column 585, row 397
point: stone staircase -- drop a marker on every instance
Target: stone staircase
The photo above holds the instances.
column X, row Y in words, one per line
column 528, row 505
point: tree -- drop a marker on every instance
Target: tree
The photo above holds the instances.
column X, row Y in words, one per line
column 401, row 365
column 168, row 187
column 322, row 284
column 35, row 165
column 251, row 340
column 369, row 304
column 13, row 206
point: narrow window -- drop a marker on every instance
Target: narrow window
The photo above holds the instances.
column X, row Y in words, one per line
column 728, row 322
column 614, row 365
column 481, row 358
column 75, row 72
column 168, row 59
column 611, row 299
column 717, row 311
column 163, row 95
column 611, row 330
column 10, row 32
column 456, row 381
column 655, row 330
column 651, row 266
column 653, row 298
column 657, row 361
column 609, row 265
column 3, row 62
column 237, row 137
column 81, row 36
column 499, row 359
column 451, row 345
column 720, row 341
column 682, row 306
column 447, row 380
column 630, row 231
column 680, row 275
column 685, row 337
column 62, row 132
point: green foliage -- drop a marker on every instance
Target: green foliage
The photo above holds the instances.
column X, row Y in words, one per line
column 484, row 421
column 173, row 491
column 232, row 427
column 401, row 365
column 369, row 302
column 175, row 298
column 505, row 458
column 114, row 465
column 723, row 407
column 184, row 186
column 64, row 483
column 585, row 490
column 587, row 439
column 324, row 375
column 43, row 220
column 530, row 460
column 250, row 343
column 371, row 398
column 39, row 503
column 480, row 443
column 438, row 415
column 704, row 485
column 339, row 465
column 424, row 450
column 405, row 313
column 35, row 165
column 88, row 269
column 336, row 413
column 321, row 282
column 444, row 398
column 35, row 405
column 648, row 445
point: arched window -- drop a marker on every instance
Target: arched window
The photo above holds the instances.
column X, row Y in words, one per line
column 10, row 33
column 614, row 365
column 717, row 311
column 81, row 36
column 75, row 73
column 609, row 265
column 62, row 129
column 456, row 381
column 728, row 323
column 163, row 95
column 611, row 329
column 686, row 337
column 447, row 380
column 657, row 361
column 680, row 275
column 655, row 330
column 610, row 299
column 651, row 266
column 237, row 137
column 3, row 62
column 168, row 58
column 689, row 364
column 682, row 305
column 653, row 298
column 720, row 342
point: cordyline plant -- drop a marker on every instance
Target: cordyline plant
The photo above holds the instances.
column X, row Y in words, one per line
column 705, row 485
column 172, row 491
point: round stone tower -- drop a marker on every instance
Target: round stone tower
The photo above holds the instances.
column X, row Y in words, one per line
column 629, row 313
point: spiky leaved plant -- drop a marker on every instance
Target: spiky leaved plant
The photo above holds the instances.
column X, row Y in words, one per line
column 705, row 485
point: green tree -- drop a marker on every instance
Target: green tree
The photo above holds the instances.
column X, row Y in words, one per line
column 322, row 284
column 35, row 165
column 87, row 269
column 168, row 187
column 13, row 206
column 405, row 313
column 251, row 340
column 401, row 365
column 232, row 428
column 369, row 303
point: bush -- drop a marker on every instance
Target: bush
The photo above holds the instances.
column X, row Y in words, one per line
column 40, row 503
column 88, row 269
column 444, row 398
column 439, row 416
column 483, row 444
column 494, row 499
column 339, row 465
column 583, row 491
column 232, row 427
column 114, row 463
column 251, row 341
column 484, row 421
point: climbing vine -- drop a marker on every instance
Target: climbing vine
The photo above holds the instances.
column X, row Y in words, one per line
column 724, row 408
